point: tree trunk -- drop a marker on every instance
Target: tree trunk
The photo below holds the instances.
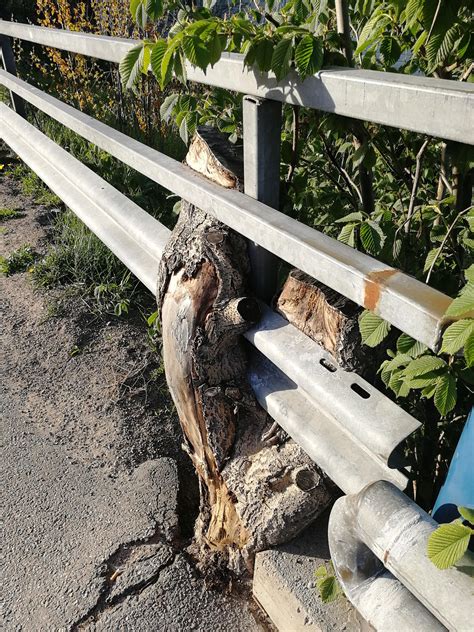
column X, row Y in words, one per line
column 254, row 485
column 331, row 320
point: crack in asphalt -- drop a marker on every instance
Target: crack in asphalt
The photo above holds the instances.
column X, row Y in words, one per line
column 116, row 560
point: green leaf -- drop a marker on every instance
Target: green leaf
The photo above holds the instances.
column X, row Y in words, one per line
column 424, row 364
column 151, row 318
column 456, row 335
column 216, row 44
column 372, row 237
column 131, row 66
column 421, row 381
column 407, row 344
column 467, row 513
column 445, row 394
column 469, row 274
column 157, row 53
column 167, row 107
column 321, row 571
column 464, row 303
column 196, row 51
column 373, row 329
column 352, row 217
column 281, row 58
column 469, row 351
column 430, row 257
column 329, row 588
column 264, row 54
column 447, row 544
column 154, row 8
column 138, row 11
column 308, row 56
column 412, row 11
column 183, row 130
column 390, row 51
column 347, row 235
column 419, row 42
column 372, row 30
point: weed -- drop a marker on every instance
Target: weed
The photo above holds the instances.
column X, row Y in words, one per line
column 77, row 257
column 19, row 260
column 9, row 213
column 31, row 185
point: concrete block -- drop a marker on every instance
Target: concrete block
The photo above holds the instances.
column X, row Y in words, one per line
column 285, row 586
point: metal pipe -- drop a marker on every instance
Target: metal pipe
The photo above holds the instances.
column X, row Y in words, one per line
column 262, row 140
column 381, row 527
column 437, row 107
column 410, row 305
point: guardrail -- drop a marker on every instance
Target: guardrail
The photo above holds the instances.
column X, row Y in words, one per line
column 351, row 437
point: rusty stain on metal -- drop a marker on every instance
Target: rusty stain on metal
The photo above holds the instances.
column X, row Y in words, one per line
column 385, row 556
column 373, row 285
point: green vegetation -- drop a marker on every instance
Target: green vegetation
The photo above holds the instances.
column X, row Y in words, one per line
column 19, row 260
column 8, row 213
column 448, row 543
column 327, row 583
column 31, row 185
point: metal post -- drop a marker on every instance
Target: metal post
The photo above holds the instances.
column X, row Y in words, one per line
column 8, row 59
column 262, row 135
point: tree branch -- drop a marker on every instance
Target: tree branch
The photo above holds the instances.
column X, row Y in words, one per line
column 414, row 189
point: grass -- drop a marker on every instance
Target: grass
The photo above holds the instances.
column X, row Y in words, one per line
column 77, row 257
column 9, row 213
column 19, row 260
column 32, row 186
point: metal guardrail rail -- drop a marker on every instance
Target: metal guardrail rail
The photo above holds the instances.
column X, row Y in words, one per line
column 353, row 437
column 430, row 106
column 330, row 418
column 410, row 305
column 377, row 540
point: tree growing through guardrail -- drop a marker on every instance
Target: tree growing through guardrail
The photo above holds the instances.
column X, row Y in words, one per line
column 422, row 216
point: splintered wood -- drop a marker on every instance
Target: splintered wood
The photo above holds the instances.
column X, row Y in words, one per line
column 256, row 490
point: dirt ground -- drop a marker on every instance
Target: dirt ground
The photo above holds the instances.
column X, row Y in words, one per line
column 79, row 392
column 50, row 354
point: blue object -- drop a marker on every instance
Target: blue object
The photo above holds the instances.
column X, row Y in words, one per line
column 458, row 489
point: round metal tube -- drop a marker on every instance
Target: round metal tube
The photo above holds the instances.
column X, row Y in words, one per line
column 379, row 536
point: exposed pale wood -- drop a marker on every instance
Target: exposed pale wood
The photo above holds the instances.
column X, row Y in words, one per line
column 328, row 318
column 258, row 488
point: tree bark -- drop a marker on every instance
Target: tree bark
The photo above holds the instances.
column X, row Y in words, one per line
column 256, row 490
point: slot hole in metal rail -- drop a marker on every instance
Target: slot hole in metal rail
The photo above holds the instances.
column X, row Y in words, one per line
column 361, row 392
column 327, row 365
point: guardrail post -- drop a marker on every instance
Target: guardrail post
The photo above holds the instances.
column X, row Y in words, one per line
column 262, row 139
column 6, row 53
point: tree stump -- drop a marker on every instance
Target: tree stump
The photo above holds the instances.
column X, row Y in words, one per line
column 256, row 490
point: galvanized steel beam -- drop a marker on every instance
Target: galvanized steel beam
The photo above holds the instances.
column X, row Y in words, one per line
column 359, row 409
column 137, row 242
column 380, row 527
column 437, row 107
column 410, row 305
column 310, row 423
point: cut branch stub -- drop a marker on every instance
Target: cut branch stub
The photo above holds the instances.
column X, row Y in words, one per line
column 254, row 492
column 330, row 319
